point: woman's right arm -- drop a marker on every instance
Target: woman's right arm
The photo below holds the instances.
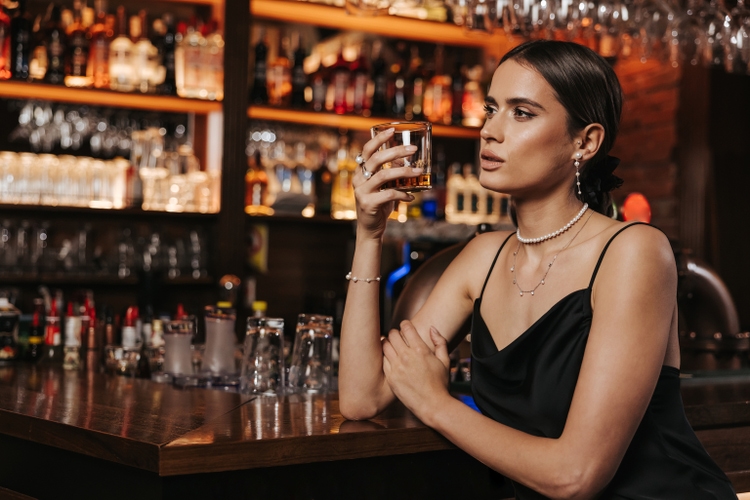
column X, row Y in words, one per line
column 363, row 391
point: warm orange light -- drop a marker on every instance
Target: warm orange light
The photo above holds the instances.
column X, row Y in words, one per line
column 636, row 208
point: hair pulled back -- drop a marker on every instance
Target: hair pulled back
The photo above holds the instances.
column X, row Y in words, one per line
column 587, row 87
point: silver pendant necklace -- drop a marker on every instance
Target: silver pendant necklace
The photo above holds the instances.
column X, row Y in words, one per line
column 531, row 291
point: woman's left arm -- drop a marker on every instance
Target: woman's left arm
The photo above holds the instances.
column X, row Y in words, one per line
column 634, row 301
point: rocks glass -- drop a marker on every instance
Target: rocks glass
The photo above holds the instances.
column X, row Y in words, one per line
column 417, row 134
column 312, row 356
column 263, row 366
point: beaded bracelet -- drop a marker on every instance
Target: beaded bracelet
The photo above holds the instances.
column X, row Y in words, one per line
column 355, row 279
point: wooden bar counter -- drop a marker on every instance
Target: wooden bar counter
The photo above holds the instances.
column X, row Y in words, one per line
column 70, row 434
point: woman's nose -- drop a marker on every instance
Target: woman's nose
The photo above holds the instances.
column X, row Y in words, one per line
column 491, row 130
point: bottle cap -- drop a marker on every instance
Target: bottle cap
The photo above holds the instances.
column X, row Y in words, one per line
column 260, row 305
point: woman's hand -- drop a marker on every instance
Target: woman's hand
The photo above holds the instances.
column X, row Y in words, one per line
column 417, row 375
column 374, row 204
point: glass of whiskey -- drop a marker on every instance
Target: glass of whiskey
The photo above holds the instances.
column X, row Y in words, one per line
column 417, row 134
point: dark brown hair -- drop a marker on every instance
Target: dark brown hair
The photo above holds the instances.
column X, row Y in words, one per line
column 588, row 89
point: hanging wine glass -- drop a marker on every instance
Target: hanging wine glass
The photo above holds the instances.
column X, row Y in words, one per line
column 505, row 17
column 459, row 10
column 542, row 18
column 481, row 16
column 717, row 23
column 608, row 26
column 653, row 18
column 740, row 38
column 686, row 38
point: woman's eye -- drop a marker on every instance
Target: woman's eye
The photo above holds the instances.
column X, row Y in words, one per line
column 488, row 110
column 520, row 113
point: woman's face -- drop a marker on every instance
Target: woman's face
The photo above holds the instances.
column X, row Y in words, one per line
column 526, row 150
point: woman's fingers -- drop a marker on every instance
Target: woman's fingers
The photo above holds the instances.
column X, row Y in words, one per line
column 376, row 142
column 373, row 162
column 441, row 347
column 379, row 197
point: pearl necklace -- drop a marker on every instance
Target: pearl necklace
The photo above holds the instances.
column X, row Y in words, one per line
column 521, row 291
column 533, row 241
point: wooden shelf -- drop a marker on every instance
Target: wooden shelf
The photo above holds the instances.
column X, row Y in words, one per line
column 292, row 11
column 78, row 279
column 350, row 122
column 9, row 210
column 212, row 3
column 323, row 219
column 94, row 97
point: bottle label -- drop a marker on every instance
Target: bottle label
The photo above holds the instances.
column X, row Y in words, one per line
column 52, row 334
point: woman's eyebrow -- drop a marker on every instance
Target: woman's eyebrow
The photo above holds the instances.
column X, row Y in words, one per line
column 514, row 101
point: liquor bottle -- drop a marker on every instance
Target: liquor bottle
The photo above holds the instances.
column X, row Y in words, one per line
column 53, row 349
column 397, row 85
column 259, row 92
column 129, row 333
column 279, row 75
column 4, row 43
column 256, row 187
column 360, row 83
column 92, row 356
column 101, row 34
column 72, row 348
column 323, row 184
column 341, row 75
column 299, row 78
column 36, row 333
column 9, row 316
column 145, row 56
column 417, row 81
column 76, row 74
column 438, row 101
column 380, row 81
column 343, row 204
column 319, row 84
column 473, row 98
column 55, row 42
column 455, row 203
column 188, row 63
column 20, row 43
column 474, row 196
column 167, row 51
column 457, row 90
column 121, row 73
column 213, row 62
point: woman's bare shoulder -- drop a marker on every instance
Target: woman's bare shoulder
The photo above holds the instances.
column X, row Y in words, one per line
column 639, row 250
column 484, row 246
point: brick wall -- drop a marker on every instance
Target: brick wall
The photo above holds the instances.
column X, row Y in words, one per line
column 647, row 139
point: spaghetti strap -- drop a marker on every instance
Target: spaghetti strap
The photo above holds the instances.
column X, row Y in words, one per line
column 604, row 250
column 493, row 264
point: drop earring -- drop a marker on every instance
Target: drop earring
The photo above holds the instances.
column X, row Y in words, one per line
column 576, row 164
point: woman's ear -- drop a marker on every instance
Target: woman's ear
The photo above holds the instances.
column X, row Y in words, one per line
column 591, row 137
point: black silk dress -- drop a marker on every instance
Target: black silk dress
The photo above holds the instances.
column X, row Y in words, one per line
column 529, row 386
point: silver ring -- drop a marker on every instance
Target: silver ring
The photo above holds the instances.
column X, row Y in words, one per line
column 365, row 172
column 359, row 160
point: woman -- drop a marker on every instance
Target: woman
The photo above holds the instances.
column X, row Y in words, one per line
column 575, row 355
